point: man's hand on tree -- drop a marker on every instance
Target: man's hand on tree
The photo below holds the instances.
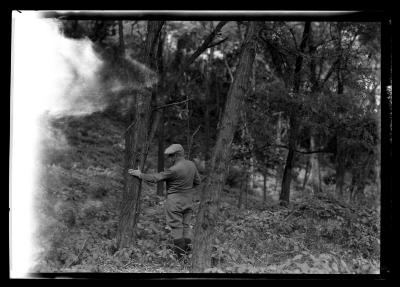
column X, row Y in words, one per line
column 135, row 172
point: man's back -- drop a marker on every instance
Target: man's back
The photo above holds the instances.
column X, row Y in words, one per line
column 184, row 176
column 180, row 177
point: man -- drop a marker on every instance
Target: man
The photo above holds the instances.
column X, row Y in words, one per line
column 181, row 178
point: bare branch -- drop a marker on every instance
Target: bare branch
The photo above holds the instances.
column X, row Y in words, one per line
column 217, row 43
column 191, row 140
column 172, row 104
column 305, row 152
column 229, row 69
column 203, row 46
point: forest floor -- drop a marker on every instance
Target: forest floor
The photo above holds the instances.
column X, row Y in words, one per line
column 78, row 200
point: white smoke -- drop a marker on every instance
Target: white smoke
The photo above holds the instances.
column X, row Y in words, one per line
column 52, row 76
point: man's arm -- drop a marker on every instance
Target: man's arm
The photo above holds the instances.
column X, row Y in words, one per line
column 155, row 177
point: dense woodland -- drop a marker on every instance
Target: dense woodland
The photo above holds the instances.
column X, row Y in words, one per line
column 282, row 119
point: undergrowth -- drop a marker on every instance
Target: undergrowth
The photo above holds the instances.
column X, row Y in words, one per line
column 80, row 192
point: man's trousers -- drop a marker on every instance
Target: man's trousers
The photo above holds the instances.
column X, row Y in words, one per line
column 179, row 209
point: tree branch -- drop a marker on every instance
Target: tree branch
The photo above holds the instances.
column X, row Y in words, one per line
column 328, row 75
column 191, row 141
column 217, row 43
column 229, row 69
column 172, row 104
column 306, row 152
column 203, row 46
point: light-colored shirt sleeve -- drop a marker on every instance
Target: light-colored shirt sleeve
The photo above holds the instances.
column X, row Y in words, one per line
column 157, row 177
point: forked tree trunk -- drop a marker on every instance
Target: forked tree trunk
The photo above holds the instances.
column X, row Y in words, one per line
column 136, row 147
column 294, row 123
column 208, row 210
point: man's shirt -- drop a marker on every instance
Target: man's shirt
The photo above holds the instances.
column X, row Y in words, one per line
column 180, row 177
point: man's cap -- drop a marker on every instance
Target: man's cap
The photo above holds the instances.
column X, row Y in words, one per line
column 173, row 149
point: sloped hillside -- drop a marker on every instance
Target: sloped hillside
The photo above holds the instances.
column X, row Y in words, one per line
column 78, row 202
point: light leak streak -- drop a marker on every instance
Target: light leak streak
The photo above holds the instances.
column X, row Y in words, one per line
column 50, row 73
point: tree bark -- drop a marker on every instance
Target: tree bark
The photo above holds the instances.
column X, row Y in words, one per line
column 340, row 168
column 160, row 161
column 294, row 123
column 121, row 38
column 306, row 175
column 287, row 172
column 136, row 147
column 240, row 197
column 340, row 149
column 160, row 113
column 243, row 187
column 208, row 210
column 314, row 171
column 207, row 105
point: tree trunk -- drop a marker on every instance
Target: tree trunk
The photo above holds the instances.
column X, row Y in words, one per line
column 136, row 147
column 340, row 169
column 340, row 148
column 246, row 190
column 243, row 189
column 160, row 161
column 314, row 171
column 208, row 210
column 294, row 123
column 265, row 188
column 306, row 175
column 240, row 198
column 287, row 172
column 121, row 38
column 208, row 106
column 160, row 113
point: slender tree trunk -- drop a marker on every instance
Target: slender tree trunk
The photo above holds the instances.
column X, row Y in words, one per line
column 294, row 123
column 287, row 172
column 208, row 211
column 246, row 192
column 243, row 189
column 319, row 174
column 121, row 38
column 314, row 172
column 340, row 170
column 306, row 175
column 279, row 169
column 265, row 188
column 136, row 145
column 240, row 198
column 340, row 148
column 208, row 105
column 160, row 162
column 160, row 113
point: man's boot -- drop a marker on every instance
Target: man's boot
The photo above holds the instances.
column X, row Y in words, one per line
column 188, row 245
column 179, row 247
